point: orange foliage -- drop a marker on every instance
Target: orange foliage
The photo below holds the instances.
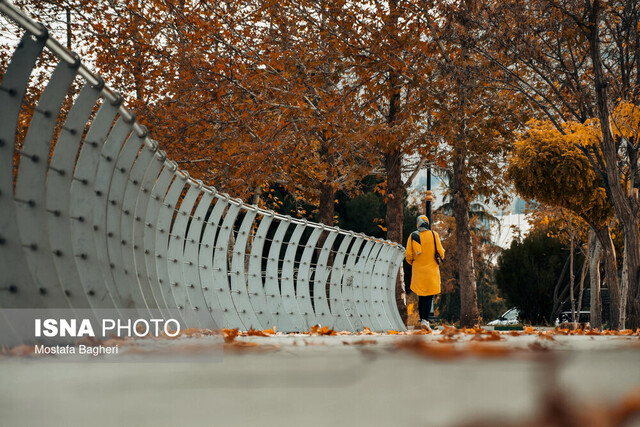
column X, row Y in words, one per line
column 317, row 330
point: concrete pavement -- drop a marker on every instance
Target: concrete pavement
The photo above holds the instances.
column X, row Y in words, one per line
column 371, row 380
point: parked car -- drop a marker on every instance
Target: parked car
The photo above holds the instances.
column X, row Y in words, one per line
column 509, row 317
column 584, row 316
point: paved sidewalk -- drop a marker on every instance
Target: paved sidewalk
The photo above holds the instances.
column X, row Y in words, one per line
column 368, row 380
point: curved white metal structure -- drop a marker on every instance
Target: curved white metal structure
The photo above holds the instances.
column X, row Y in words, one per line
column 96, row 217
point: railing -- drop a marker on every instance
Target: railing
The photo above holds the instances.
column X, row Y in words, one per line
column 96, row 217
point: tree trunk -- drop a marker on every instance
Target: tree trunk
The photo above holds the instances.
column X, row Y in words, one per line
column 327, row 206
column 395, row 216
column 595, row 253
column 466, row 269
column 625, row 205
column 611, row 275
column 571, row 282
column 583, row 275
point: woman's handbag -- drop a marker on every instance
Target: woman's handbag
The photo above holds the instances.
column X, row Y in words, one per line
column 437, row 254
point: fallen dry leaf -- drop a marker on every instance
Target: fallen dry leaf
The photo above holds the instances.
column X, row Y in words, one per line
column 361, row 342
column 256, row 333
column 230, row 335
column 18, row 351
column 317, row 330
column 537, row 346
column 490, row 336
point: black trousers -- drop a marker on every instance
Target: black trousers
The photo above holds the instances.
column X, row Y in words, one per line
column 424, row 306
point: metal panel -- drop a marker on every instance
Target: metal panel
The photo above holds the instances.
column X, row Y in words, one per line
column 30, row 186
column 272, row 281
column 337, row 304
column 17, row 287
column 238, row 276
column 154, row 264
column 348, row 287
column 221, row 270
column 83, row 194
column 358, row 285
column 380, row 267
column 163, row 230
column 130, row 295
column 366, row 286
column 145, row 210
column 58, row 193
column 175, row 259
column 255, row 284
column 194, row 287
column 303, row 286
column 205, row 256
column 287, row 291
column 129, row 249
column 101, row 199
column 320, row 303
column 390, row 288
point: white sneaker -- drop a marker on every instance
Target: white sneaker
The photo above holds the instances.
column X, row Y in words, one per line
column 424, row 324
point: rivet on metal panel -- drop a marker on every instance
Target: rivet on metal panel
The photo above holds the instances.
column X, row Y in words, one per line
column 91, row 143
column 60, row 172
column 11, row 91
column 45, row 113
column 30, row 203
column 31, row 246
column 81, row 180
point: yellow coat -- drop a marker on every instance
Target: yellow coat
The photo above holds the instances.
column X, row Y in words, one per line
column 425, row 275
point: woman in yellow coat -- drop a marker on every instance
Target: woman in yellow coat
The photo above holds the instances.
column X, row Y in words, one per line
column 425, row 273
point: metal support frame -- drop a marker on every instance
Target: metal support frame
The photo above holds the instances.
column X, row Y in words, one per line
column 98, row 218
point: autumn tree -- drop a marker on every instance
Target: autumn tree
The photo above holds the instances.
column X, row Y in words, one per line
column 547, row 165
column 246, row 94
column 572, row 60
column 473, row 119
